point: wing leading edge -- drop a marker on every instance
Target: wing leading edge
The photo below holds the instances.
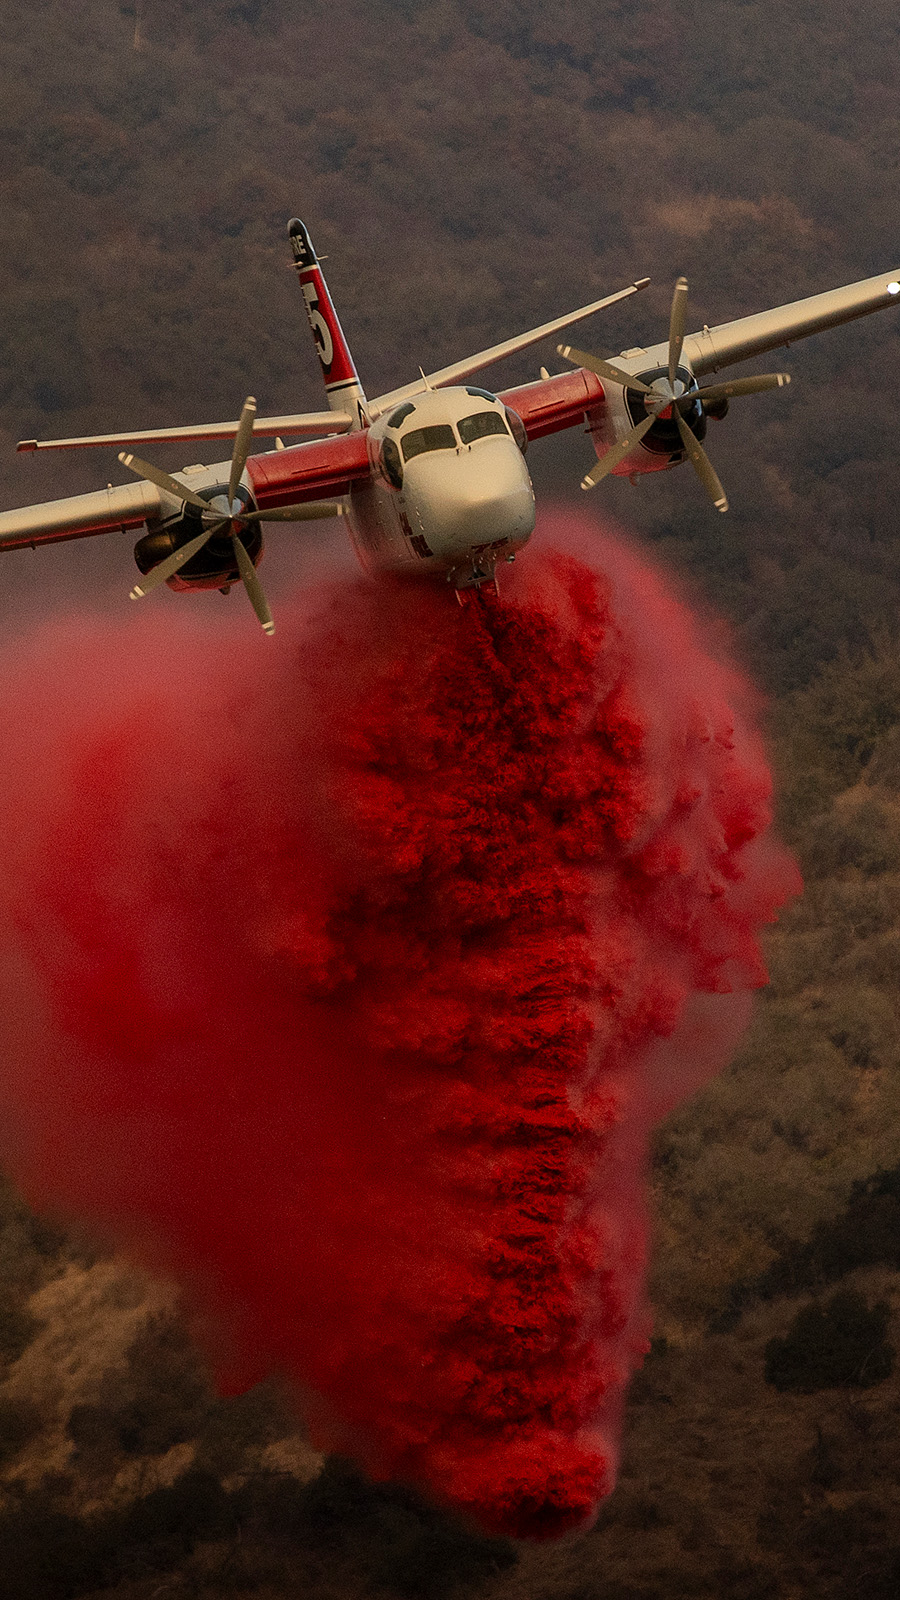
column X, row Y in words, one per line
column 303, row 424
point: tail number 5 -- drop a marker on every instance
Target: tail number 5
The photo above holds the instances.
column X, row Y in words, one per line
column 320, row 329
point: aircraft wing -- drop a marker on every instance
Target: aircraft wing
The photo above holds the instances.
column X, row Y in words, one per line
column 303, row 425
column 106, row 510
column 321, row 470
column 496, row 352
column 552, row 404
column 718, row 347
column 577, row 397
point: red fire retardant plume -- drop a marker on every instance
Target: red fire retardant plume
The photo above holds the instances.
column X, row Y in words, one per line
column 347, row 974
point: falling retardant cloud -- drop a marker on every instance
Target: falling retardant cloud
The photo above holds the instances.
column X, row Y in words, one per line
column 345, row 976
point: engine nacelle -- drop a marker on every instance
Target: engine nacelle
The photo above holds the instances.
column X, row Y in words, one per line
column 213, row 567
column 661, row 446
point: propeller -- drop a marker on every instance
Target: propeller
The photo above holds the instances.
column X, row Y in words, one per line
column 618, row 452
column 669, row 396
column 217, row 516
column 603, row 369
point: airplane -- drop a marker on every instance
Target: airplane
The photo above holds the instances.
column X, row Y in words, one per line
column 430, row 477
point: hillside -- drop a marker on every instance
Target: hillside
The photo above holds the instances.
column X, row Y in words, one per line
column 469, row 170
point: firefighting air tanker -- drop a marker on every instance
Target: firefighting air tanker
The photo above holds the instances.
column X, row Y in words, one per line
column 431, row 477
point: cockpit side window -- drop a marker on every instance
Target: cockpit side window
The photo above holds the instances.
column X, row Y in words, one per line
column 438, row 437
column 517, row 428
column 390, row 461
column 480, row 425
column 482, row 394
column 401, row 414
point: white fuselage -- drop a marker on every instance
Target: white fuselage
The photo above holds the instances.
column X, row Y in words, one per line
column 449, row 491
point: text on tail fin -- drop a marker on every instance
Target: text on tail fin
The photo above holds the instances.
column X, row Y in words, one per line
column 342, row 384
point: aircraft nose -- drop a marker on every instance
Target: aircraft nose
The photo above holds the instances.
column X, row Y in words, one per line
column 496, row 511
column 488, row 499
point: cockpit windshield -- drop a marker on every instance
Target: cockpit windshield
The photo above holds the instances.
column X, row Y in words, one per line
column 480, row 425
column 438, row 437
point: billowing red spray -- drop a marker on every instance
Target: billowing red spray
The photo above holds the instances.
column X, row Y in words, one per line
column 346, row 976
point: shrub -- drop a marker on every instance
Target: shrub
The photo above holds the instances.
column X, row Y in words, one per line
column 238, row 1423
column 862, row 1024
column 20, row 1422
column 161, row 1399
column 46, row 1554
column 387, row 1530
column 17, row 1329
column 161, row 1529
column 170, row 1391
column 839, row 1345
column 863, row 838
column 866, row 1234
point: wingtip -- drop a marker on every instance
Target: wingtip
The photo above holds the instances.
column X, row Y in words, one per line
column 27, row 444
column 137, row 593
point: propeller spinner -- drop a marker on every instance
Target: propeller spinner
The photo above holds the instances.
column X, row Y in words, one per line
column 668, row 397
column 224, row 511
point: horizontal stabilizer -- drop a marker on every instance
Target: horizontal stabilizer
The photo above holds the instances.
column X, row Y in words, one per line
column 305, row 424
column 509, row 347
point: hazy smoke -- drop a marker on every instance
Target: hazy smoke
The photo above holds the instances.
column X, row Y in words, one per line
column 346, row 975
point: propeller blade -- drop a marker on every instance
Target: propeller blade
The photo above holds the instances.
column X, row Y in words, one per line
column 242, row 442
column 677, row 321
column 617, row 453
column 144, row 469
column 253, row 586
column 311, row 512
column 701, row 463
column 603, row 369
column 168, row 568
column 724, row 391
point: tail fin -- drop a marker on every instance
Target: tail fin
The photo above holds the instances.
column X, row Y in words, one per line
column 342, row 384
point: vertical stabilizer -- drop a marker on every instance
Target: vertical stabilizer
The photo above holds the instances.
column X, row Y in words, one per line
column 342, row 384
